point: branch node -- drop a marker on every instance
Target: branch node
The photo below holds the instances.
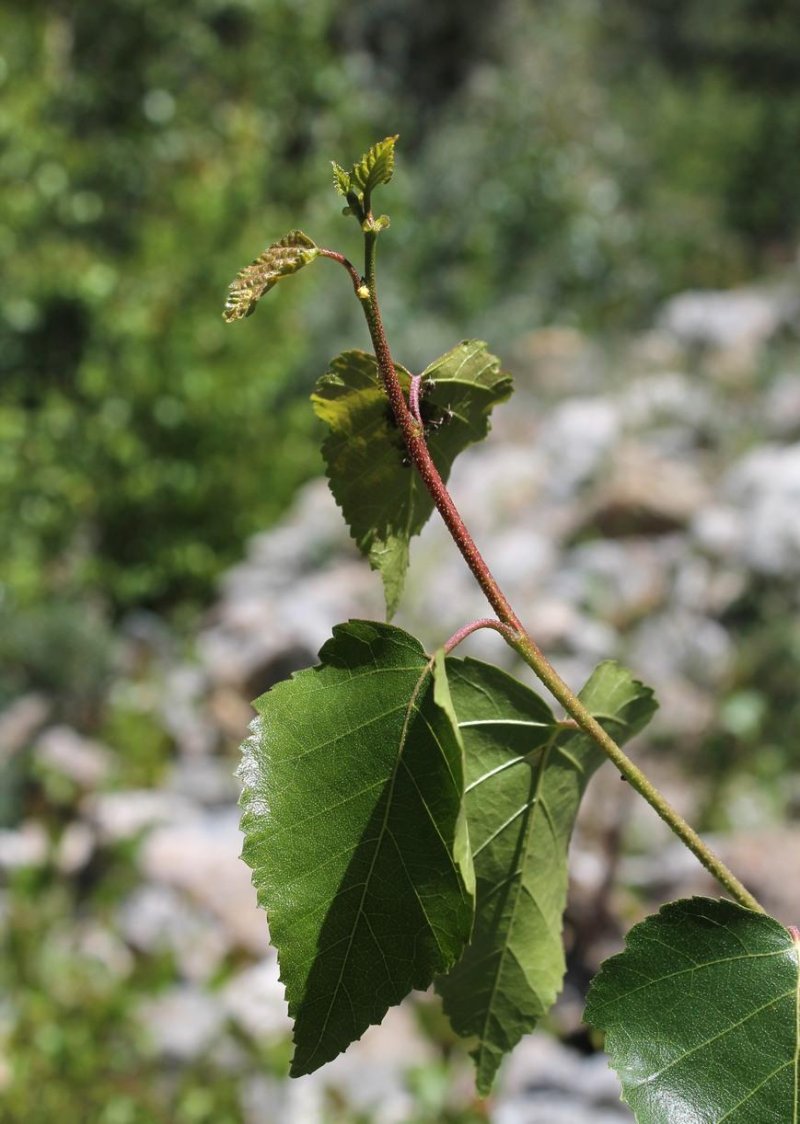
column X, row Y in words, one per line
column 485, row 622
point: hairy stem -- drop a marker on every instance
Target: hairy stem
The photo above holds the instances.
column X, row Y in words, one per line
column 513, row 631
column 484, row 622
column 418, row 450
column 413, row 397
column 348, row 265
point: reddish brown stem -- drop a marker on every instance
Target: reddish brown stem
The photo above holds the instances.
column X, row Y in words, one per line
column 468, row 629
column 348, row 265
column 421, row 457
column 413, row 398
column 514, row 632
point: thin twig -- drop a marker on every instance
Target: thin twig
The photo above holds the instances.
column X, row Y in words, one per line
column 514, row 633
column 468, row 629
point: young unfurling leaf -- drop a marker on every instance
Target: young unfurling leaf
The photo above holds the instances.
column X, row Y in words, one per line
column 341, row 178
column 374, row 168
column 280, row 259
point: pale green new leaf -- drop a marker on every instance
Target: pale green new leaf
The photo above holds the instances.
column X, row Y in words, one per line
column 354, row 830
column 525, row 781
column 374, row 168
column 382, row 498
column 702, row 1016
column 291, row 253
column 341, row 178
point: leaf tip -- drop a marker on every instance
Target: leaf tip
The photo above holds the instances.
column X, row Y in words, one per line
column 281, row 258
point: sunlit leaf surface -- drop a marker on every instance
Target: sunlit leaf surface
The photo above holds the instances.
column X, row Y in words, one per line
column 525, row 780
column 701, row 1013
column 353, row 824
column 381, row 496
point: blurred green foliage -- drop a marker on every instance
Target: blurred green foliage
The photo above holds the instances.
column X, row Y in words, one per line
column 571, row 162
column 75, row 1045
column 147, row 151
column 75, row 1049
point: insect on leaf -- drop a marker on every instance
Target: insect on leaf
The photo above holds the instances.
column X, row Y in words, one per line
column 381, row 496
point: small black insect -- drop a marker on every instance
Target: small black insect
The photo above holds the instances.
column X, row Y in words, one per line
column 436, row 417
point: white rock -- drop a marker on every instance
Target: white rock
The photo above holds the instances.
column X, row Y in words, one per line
column 155, row 918
column 680, row 642
column 266, row 1100
column 181, row 709
column 537, row 1058
column 98, row 942
column 523, row 557
column 182, row 1023
column 725, row 319
column 20, row 721
column 669, row 396
column 260, row 622
column 546, row 1110
column 75, row 847
column 544, row 1082
column 201, row 857
column 118, row 816
column 615, row 578
column 83, row 761
column 765, row 487
column 23, row 846
column 720, row 529
column 255, row 1000
column 204, row 780
column 577, row 438
column 782, row 406
column 370, row 1075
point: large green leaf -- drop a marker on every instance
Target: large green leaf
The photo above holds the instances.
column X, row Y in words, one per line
column 382, row 498
column 353, row 824
column 291, row 253
column 702, row 1016
column 525, row 780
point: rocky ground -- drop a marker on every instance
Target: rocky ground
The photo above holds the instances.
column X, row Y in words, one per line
column 634, row 502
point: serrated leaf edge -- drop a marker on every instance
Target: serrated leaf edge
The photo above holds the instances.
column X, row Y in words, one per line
column 631, row 941
column 280, row 259
column 375, row 167
column 251, row 807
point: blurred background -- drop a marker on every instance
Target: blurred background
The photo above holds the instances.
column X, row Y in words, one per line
column 607, row 193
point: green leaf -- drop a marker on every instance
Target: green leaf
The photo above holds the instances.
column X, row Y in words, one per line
column 702, row 1016
column 353, row 825
column 382, row 498
column 459, row 392
column 525, row 781
column 374, row 168
column 280, row 259
column 341, row 178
